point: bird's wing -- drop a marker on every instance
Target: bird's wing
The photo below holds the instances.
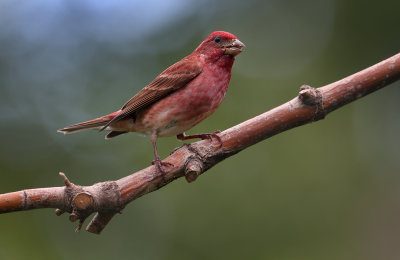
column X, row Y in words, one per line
column 170, row 80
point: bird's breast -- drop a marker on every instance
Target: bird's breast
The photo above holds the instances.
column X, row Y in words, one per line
column 186, row 107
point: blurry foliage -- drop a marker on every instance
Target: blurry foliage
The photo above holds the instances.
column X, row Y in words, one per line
column 328, row 190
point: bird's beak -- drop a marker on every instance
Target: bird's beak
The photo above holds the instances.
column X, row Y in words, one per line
column 234, row 47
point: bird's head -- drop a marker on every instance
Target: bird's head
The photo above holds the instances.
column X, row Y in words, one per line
column 220, row 43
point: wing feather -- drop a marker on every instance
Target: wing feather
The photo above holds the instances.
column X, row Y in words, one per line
column 175, row 77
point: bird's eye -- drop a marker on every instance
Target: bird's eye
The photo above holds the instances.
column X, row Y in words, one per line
column 217, row 39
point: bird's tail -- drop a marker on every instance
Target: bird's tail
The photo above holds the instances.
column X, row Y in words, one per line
column 94, row 123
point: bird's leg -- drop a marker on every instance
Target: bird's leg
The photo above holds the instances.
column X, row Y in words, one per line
column 157, row 161
column 210, row 136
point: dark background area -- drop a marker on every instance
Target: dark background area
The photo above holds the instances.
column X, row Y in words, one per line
column 327, row 190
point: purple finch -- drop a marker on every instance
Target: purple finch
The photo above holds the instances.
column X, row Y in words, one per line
column 179, row 98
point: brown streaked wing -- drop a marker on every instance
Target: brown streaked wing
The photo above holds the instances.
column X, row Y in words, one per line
column 170, row 80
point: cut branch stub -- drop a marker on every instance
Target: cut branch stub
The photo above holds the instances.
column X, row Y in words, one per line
column 99, row 221
column 193, row 168
column 78, row 202
column 82, row 201
column 73, row 217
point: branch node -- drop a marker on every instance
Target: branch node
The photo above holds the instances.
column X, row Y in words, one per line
column 313, row 97
column 193, row 168
column 308, row 95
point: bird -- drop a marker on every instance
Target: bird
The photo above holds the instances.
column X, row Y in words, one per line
column 179, row 98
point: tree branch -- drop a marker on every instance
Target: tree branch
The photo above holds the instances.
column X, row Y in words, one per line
column 191, row 160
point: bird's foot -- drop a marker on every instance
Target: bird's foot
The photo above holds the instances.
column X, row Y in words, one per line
column 209, row 136
column 159, row 165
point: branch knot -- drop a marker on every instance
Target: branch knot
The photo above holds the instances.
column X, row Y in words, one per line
column 82, row 201
column 313, row 97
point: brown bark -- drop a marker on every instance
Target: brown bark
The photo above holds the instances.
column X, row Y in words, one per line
column 191, row 160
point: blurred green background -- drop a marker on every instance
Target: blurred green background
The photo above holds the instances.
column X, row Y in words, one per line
column 327, row 190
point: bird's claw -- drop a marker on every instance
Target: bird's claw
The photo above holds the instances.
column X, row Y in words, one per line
column 211, row 136
column 159, row 165
column 183, row 137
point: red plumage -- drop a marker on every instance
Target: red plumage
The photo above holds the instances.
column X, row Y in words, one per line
column 179, row 98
